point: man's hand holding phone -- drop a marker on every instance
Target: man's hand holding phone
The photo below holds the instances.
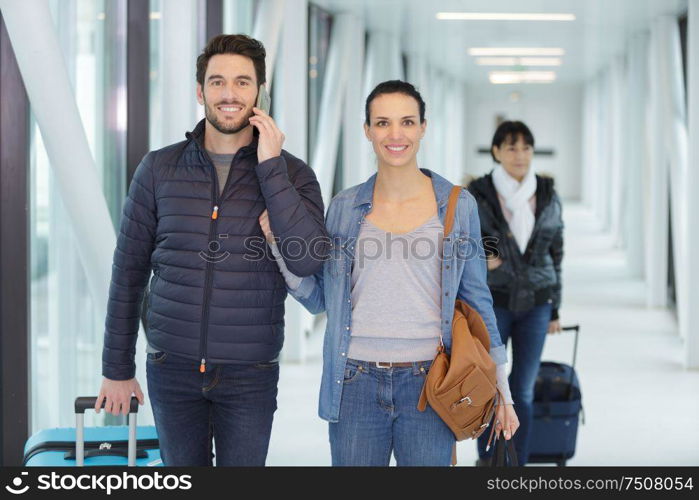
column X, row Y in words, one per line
column 271, row 138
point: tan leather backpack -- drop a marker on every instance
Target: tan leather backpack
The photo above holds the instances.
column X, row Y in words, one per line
column 461, row 387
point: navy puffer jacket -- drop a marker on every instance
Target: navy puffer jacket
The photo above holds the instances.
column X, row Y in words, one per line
column 216, row 294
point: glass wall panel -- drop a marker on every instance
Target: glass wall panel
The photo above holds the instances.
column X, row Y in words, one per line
column 238, row 16
column 319, row 28
column 168, row 77
column 66, row 334
column 155, row 89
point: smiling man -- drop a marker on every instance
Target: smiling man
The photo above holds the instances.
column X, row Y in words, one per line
column 215, row 323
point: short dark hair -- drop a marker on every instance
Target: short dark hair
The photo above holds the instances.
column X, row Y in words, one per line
column 510, row 132
column 395, row 87
column 233, row 44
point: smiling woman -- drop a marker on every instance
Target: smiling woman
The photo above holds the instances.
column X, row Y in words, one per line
column 396, row 129
column 395, row 123
column 387, row 319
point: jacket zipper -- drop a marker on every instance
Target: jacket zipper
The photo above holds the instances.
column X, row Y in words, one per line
column 215, row 211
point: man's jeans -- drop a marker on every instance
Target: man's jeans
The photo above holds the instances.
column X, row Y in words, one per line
column 379, row 415
column 234, row 404
column 527, row 330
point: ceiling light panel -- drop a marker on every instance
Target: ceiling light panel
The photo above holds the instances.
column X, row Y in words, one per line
column 518, row 61
column 510, row 77
column 502, row 16
column 516, row 51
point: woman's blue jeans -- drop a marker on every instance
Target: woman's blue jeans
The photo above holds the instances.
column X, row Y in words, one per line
column 379, row 416
column 527, row 330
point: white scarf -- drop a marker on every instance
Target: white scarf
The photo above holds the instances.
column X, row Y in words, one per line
column 516, row 195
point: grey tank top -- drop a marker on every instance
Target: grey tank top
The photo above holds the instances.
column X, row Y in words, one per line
column 396, row 293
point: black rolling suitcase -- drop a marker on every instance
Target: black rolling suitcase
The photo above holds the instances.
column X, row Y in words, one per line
column 557, row 406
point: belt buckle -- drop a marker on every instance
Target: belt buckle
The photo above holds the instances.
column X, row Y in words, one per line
column 382, row 365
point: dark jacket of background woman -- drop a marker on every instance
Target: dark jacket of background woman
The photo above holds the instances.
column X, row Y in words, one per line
column 523, row 281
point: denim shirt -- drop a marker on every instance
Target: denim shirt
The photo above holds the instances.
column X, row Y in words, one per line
column 464, row 276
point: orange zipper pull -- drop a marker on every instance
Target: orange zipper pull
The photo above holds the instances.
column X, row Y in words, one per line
column 214, row 214
column 202, row 366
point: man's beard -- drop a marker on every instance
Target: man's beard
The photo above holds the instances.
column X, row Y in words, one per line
column 225, row 128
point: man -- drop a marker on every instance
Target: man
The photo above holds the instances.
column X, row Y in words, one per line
column 216, row 312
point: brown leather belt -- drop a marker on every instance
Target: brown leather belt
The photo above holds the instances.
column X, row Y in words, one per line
column 390, row 364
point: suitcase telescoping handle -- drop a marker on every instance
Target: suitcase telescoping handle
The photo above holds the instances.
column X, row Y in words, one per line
column 575, row 328
column 85, row 403
column 575, row 353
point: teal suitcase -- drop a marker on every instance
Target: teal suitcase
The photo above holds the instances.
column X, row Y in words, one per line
column 124, row 445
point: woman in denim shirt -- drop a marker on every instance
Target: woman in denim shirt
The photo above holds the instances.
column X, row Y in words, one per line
column 389, row 301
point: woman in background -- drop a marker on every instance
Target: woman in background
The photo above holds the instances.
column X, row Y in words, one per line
column 520, row 212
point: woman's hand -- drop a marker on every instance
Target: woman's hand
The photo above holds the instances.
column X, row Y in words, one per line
column 266, row 229
column 494, row 263
column 554, row 326
column 506, row 420
column 271, row 138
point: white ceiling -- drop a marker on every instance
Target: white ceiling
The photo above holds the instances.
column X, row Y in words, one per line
column 600, row 31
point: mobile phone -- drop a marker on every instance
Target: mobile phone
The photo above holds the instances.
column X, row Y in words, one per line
column 264, row 101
